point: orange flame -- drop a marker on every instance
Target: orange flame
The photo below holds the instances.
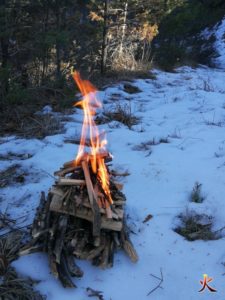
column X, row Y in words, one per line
column 90, row 103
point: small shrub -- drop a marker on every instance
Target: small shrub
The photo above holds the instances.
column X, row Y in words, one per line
column 175, row 134
column 206, row 86
column 196, row 195
column 121, row 113
column 10, row 244
column 196, row 227
column 146, row 146
column 163, row 141
column 11, row 175
column 15, row 174
column 13, row 286
column 18, row 95
column 214, row 123
column 40, row 126
column 131, row 89
column 32, row 125
column 15, row 156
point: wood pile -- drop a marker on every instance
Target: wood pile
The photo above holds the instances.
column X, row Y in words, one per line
column 77, row 221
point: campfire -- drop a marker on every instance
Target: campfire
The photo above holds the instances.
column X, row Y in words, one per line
column 83, row 216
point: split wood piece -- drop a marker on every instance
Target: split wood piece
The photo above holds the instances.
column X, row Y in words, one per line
column 64, row 275
column 64, row 171
column 31, row 249
column 59, row 241
column 106, row 156
column 53, row 265
column 119, row 202
column 59, row 194
column 101, row 198
column 117, row 197
column 115, row 214
column 66, row 194
column 108, row 212
column 106, row 260
column 118, row 185
column 129, row 249
column 73, row 268
column 67, row 197
column 127, row 244
column 119, row 212
column 82, row 213
column 95, row 252
column 56, row 191
column 69, row 164
column 68, row 181
column 38, row 234
column 93, row 200
column 39, row 224
column 111, row 253
column 80, row 245
column 116, row 240
column 47, row 222
column 50, row 245
column 114, row 173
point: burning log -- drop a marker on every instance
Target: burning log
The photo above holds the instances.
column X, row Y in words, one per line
column 83, row 216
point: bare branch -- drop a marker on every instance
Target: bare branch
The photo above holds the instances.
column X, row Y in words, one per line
column 159, row 284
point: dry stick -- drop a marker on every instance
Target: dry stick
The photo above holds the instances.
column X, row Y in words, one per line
column 72, row 267
column 92, row 199
column 93, row 293
column 64, row 274
column 66, row 198
column 32, row 249
column 51, row 241
column 159, row 284
column 106, row 156
column 127, row 244
column 124, row 174
column 107, row 210
column 64, row 171
column 67, row 181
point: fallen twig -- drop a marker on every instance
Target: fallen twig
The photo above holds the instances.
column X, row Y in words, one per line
column 93, row 293
column 159, row 284
column 147, row 218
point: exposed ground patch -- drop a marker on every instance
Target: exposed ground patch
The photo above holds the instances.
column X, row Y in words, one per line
column 197, row 227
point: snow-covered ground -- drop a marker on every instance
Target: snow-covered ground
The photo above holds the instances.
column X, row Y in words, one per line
column 187, row 108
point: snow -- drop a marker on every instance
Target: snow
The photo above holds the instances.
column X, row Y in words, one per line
column 187, row 107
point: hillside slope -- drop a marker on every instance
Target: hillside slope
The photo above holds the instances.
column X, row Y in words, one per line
column 220, row 44
column 181, row 38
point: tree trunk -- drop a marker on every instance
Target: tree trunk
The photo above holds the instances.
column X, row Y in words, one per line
column 5, row 52
column 104, row 40
column 58, row 46
column 45, row 54
column 123, row 27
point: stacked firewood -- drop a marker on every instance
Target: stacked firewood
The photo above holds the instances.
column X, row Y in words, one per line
column 76, row 221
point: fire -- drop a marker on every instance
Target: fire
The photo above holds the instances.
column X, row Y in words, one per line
column 89, row 104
